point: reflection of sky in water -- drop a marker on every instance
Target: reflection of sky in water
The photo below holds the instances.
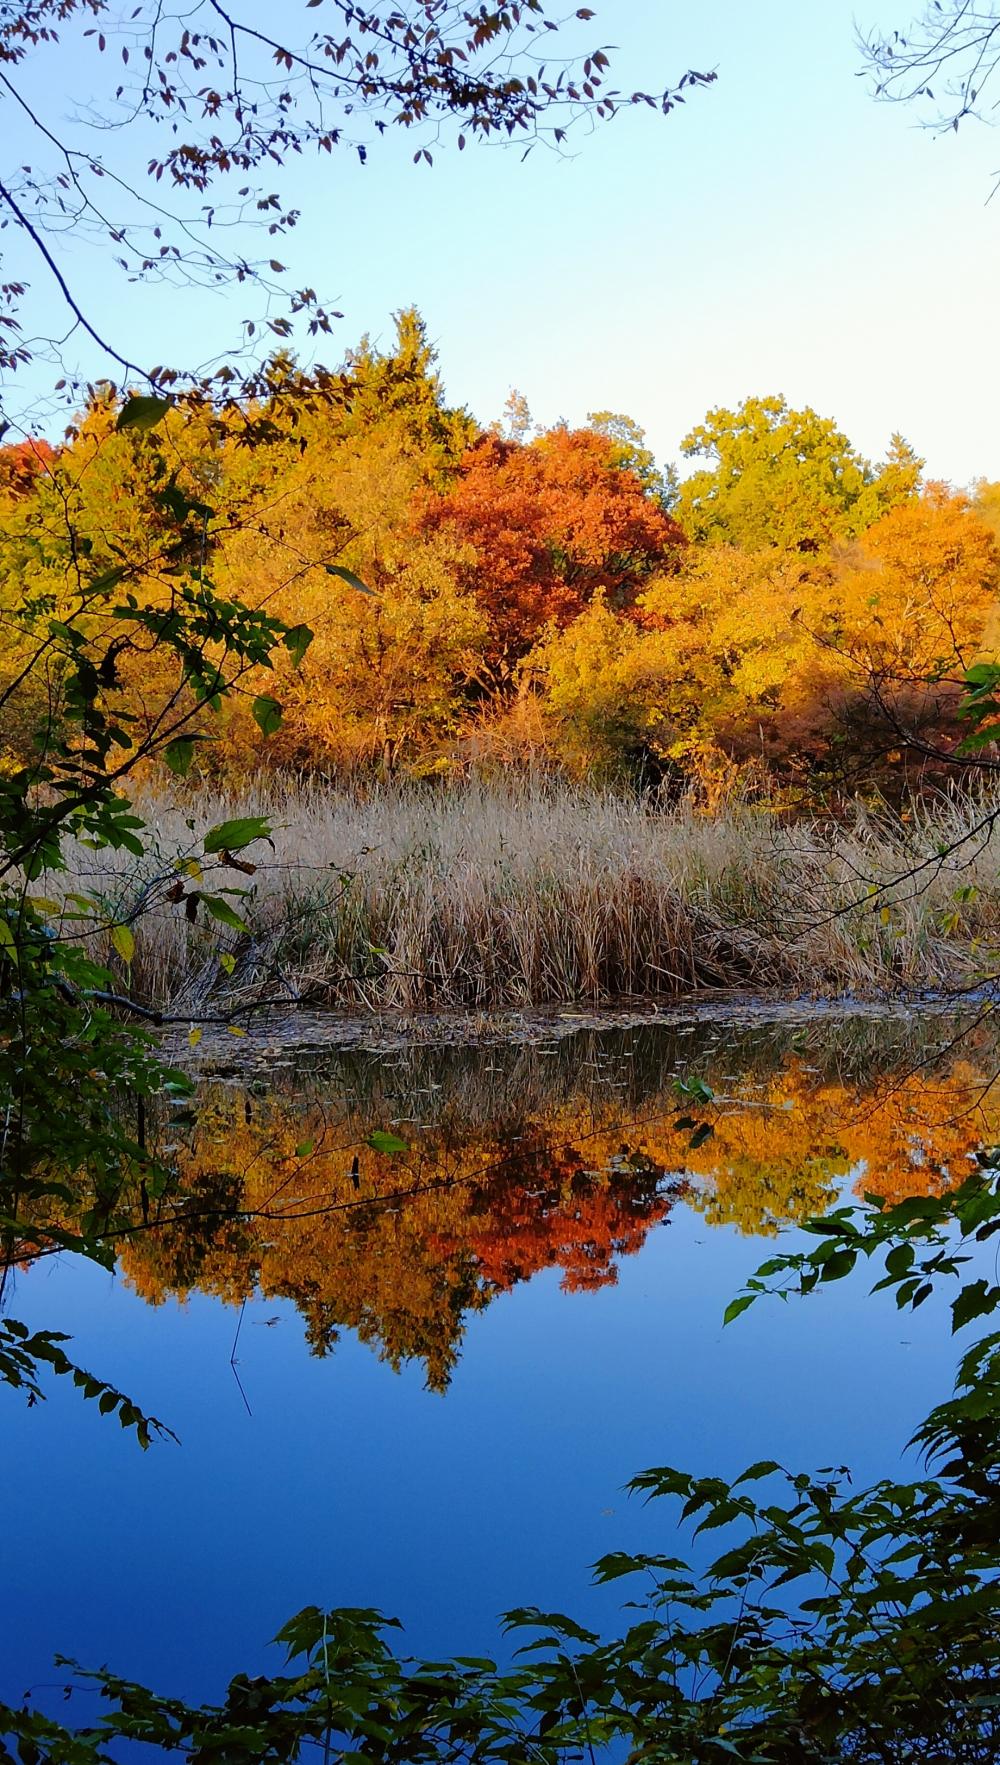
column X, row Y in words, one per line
column 351, row 1484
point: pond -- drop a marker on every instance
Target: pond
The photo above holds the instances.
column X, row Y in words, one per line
column 417, row 1374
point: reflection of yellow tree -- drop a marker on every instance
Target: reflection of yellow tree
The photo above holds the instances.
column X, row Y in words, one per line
column 920, row 1133
column 401, row 1248
column 786, row 1156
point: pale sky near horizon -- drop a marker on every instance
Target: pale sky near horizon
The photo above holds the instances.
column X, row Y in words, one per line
column 781, row 233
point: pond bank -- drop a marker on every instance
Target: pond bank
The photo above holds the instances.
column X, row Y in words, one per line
column 302, row 1030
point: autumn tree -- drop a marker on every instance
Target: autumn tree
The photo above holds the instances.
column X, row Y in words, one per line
column 713, row 673
column 516, row 422
column 814, row 665
column 396, row 636
column 916, row 594
column 743, row 678
column 312, row 518
column 807, row 669
column 21, row 464
column 631, row 451
column 778, row 477
column 916, row 606
column 548, row 525
column 597, row 718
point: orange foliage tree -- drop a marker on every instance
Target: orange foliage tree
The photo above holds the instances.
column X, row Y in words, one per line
column 20, row 464
column 913, row 605
column 916, row 596
column 551, row 523
column 806, row 665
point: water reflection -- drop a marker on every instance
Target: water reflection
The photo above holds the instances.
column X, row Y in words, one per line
column 338, row 1482
column 521, row 1159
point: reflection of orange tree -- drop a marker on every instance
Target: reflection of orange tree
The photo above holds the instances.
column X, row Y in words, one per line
column 548, row 1207
column 785, row 1157
column 402, row 1249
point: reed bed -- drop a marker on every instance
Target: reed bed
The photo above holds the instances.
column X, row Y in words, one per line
column 479, row 898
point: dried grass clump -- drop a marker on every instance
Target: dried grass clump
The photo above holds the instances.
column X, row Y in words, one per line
column 487, row 897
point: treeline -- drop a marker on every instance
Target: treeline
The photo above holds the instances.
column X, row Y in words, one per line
column 789, row 613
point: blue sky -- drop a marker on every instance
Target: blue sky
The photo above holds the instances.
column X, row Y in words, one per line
column 782, row 233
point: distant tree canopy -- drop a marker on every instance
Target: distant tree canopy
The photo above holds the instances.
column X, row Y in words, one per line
column 482, row 597
column 558, row 596
column 785, row 478
column 628, row 439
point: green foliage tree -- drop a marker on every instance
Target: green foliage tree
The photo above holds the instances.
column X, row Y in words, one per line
column 785, row 478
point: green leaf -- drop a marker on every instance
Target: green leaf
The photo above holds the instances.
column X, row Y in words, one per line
column 753, row 1473
column 142, row 413
column 232, row 836
column 7, row 943
column 349, row 577
column 181, row 506
column 179, row 754
column 981, row 738
column 266, row 714
column 614, row 1565
column 109, row 579
column 220, row 909
column 976, row 1299
column 696, row 1088
column 983, row 674
column 297, row 641
column 834, row 1267
column 899, row 1261
column 736, row 1306
column 382, row 1142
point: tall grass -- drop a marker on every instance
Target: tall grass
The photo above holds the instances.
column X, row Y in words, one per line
column 485, row 898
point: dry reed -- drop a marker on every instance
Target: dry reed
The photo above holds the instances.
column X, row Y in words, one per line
column 483, row 898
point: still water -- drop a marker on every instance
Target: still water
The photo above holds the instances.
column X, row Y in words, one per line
column 420, row 1379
